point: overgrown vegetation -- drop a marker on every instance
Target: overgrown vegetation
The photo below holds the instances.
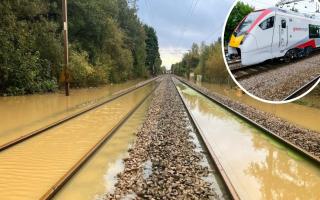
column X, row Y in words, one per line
column 236, row 16
column 108, row 43
column 206, row 60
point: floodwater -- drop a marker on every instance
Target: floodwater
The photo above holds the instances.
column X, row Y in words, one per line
column 23, row 114
column 29, row 169
column 257, row 165
column 98, row 176
column 291, row 112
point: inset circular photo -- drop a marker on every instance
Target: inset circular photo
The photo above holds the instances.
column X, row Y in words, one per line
column 272, row 48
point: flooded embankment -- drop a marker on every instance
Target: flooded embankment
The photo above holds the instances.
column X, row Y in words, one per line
column 29, row 169
column 98, row 176
column 258, row 166
column 23, row 114
column 290, row 112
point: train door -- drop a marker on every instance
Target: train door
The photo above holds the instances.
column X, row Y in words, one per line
column 283, row 35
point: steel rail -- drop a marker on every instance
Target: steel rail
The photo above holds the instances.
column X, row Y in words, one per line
column 61, row 121
column 291, row 145
column 255, row 69
column 236, row 61
column 63, row 180
column 302, row 89
column 227, row 182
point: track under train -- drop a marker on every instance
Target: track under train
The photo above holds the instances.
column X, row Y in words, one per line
column 240, row 72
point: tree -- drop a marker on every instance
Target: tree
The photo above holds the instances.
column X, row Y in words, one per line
column 189, row 61
column 108, row 43
column 236, row 16
column 153, row 60
column 206, row 60
column 26, row 32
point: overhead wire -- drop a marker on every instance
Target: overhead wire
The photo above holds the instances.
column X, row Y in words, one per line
column 189, row 14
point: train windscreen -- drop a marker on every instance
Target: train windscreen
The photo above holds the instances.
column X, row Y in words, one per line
column 245, row 25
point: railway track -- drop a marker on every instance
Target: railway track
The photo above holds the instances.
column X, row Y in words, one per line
column 223, row 159
column 66, row 119
column 63, row 180
column 303, row 89
column 234, row 64
column 240, row 72
column 223, row 175
column 86, row 133
column 264, row 129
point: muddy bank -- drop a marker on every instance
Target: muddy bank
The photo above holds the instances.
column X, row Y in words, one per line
column 164, row 163
column 304, row 138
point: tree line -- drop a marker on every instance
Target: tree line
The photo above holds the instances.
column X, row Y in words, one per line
column 205, row 60
column 108, row 44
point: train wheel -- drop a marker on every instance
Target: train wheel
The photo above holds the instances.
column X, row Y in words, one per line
column 290, row 55
column 308, row 50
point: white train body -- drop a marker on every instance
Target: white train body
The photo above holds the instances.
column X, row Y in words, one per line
column 274, row 33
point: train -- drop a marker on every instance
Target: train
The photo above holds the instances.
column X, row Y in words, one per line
column 274, row 33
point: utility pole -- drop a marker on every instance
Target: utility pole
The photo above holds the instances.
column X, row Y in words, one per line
column 66, row 50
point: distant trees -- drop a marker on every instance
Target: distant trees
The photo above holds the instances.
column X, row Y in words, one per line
column 237, row 14
column 206, row 60
column 189, row 62
column 108, row 43
column 153, row 61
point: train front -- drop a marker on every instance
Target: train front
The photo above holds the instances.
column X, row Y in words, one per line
column 243, row 41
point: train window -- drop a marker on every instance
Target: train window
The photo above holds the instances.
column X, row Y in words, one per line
column 314, row 31
column 245, row 25
column 268, row 23
column 283, row 23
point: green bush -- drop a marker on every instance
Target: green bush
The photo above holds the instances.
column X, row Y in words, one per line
column 108, row 44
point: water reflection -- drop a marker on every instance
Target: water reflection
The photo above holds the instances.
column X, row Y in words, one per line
column 34, row 166
column 282, row 178
column 258, row 166
column 98, row 176
column 23, row 114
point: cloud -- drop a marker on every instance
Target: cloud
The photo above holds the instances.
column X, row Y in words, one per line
column 171, row 55
column 180, row 23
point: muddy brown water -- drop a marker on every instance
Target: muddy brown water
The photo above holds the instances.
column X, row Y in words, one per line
column 290, row 112
column 23, row 114
column 29, row 169
column 98, row 176
column 258, row 166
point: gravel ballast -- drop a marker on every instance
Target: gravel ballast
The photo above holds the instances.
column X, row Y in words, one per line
column 306, row 139
column 279, row 83
column 164, row 162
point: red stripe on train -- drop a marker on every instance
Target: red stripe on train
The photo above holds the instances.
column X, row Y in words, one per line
column 310, row 43
column 263, row 14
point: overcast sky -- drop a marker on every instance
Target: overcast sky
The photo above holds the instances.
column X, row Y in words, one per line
column 179, row 23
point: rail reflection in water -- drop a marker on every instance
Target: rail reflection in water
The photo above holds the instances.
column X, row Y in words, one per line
column 98, row 176
column 23, row 114
column 258, row 166
column 29, row 169
column 290, row 111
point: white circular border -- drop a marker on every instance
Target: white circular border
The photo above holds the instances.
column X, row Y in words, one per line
column 235, row 80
